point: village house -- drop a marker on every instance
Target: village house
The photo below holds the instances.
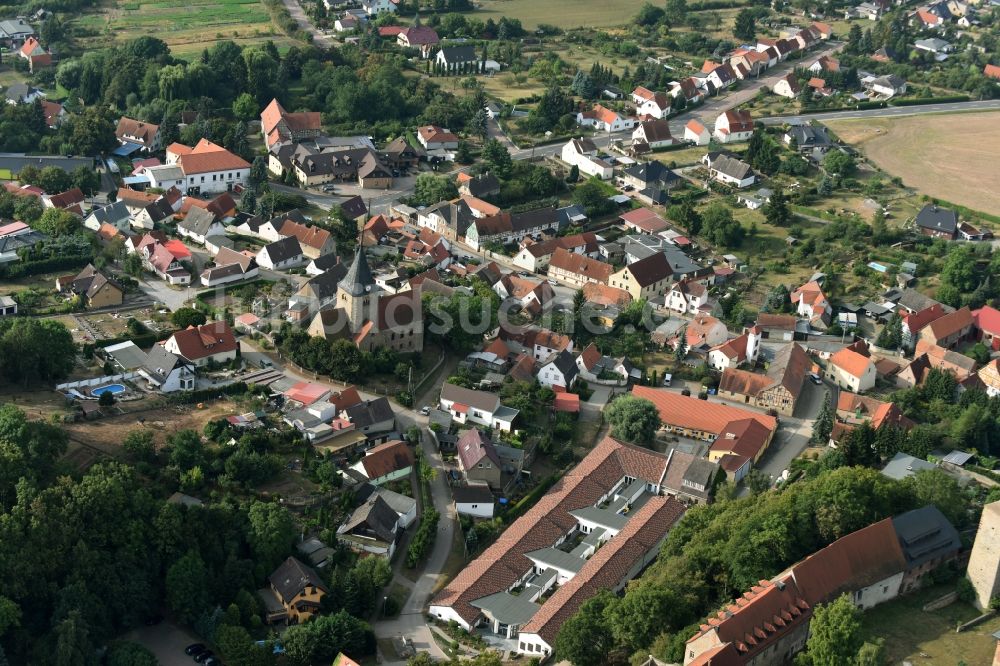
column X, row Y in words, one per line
column 604, row 119
column 928, row 356
column 213, row 342
column 208, row 168
column 360, row 165
column 432, row 137
column 421, row 37
column 559, row 371
column 647, row 279
column 478, row 458
column 457, row 58
column 535, row 257
column 651, row 175
column 987, row 324
column 810, row 302
column 474, row 500
column 93, row 288
column 294, row 594
column 373, row 528
column 704, row 332
column 787, row 86
column 36, row 55
column 281, row 254
column 145, row 136
column 852, row 368
column 778, row 389
column 280, row 126
column 657, row 106
column 937, row 222
column 199, row 224
column 471, row 406
column 230, row 266
column 913, row 323
column 733, row 126
column 729, row 170
column 483, row 186
column 583, row 154
column 505, row 227
column 697, row 133
column 989, row 375
column 949, row 330
column 743, row 349
column 386, row 462
column 596, row 367
column 687, row 297
column 653, row 133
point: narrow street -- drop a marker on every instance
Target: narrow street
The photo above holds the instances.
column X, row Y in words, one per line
column 295, row 9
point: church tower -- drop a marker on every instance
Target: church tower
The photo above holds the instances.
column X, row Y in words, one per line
column 357, row 293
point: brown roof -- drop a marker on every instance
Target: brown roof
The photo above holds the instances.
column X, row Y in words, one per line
column 743, row 382
column 609, row 566
column 345, row 398
column 580, row 265
column 208, row 339
column 917, row 320
column 591, row 355
column 145, row 133
column 473, row 446
column 435, row 134
column 72, row 197
column 857, row 560
column 689, row 412
column 779, row 321
column 602, row 294
column 307, row 235
column 952, row 323
column 387, row 458
column 136, row 198
column 207, row 157
column 652, row 269
column 744, row 438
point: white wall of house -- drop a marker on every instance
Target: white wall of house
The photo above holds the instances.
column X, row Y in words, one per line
column 216, row 181
column 476, row 510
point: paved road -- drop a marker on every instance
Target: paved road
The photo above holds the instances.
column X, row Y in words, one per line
column 295, row 9
column 889, row 112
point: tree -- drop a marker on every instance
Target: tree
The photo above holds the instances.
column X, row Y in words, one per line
column 238, row 647
column 839, row 163
column 824, row 423
column 937, row 487
column 184, row 317
column 757, row 481
column 649, row 15
column 979, row 352
column 574, row 174
column 35, row 350
column 127, row 653
column 592, row 196
column 745, row 26
column 834, row 633
column 497, row 158
column 638, row 617
column 106, row 399
column 139, row 445
column 186, row 449
column 676, row 11
column 326, row 635
column 57, row 222
column 776, row 210
column 686, row 215
column 891, row 335
column 187, row 586
column 632, row 419
column 585, row 638
column 720, row 227
column 245, row 107
column 88, row 180
column 430, row 189
column 480, row 123
column 271, row 533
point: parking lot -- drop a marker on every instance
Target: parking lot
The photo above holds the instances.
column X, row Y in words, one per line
column 167, row 641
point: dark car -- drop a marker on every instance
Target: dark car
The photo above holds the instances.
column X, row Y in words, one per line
column 194, row 649
column 202, row 656
column 212, row 661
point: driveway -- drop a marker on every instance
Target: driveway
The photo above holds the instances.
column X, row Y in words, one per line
column 167, row 641
column 158, row 290
column 794, row 433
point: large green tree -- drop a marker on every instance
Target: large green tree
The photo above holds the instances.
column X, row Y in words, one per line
column 271, row 534
column 187, row 586
column 834, row 633
column 632, row 419
column 586, row 638
column 35, row 350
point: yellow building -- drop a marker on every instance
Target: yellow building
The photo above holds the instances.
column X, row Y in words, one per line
column 648, row 278
column 295, row 593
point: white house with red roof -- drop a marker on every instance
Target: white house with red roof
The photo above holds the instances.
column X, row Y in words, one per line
column 422, row 37
column 201, row 345
column 208, row 167
column 658, row 106
column 641, row 95
column 732, row 126
column 35, row 54
column 432, row 137
column 852, row 368
column 697, row 133
column 810, row 301
column 686, row 297
column 734, row 353
column 605, row 120
column 787, row 86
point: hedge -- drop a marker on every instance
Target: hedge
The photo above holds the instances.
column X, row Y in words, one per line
column 917, row 101
column 860, row 106
column 190, row 397
column 529, row 500
column 142, row 340
column 18, row 269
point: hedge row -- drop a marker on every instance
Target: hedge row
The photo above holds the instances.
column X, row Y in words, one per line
column 917, row 101
column 529, row 500
column 191, row 397
column 19, row 269
column 423, row 539
column 142, row 340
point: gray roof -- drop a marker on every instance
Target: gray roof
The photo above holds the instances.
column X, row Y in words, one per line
column 198, row 221
column 284, row 249
column 160, row 363
column 507, row 608
column 127, row 355
column 374, row 518
column 398, row 502
column 15, row 28
column 957, row 458
column 292, row 577
column 935, row 218
column 732, row 167
column 324, row 285
column 931, row 44
column 702, row 472
column 358, row 279
column 569, row 214
column 809, row 136
column 566, row 363
column 601, row 517
column 112, row 213
column 557, row 558
column 925, row 534
column 370, row 412
column 652, row 172
column 903, row 465
column 459, row 54
column 482, row 400
column 160, row 210
column 326, row 262
column 472, row 495
column 911, row 299
column 17, row 161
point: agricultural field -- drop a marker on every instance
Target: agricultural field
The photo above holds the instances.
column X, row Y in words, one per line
column 938, row 155
column 562, row 13
column 187, row 26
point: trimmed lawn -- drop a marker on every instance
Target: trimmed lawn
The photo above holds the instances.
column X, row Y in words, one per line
column 929, row 638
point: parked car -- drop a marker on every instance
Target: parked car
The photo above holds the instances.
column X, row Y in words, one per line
column 425, row 410
column 202, row 656
column 815, row 379
column 194, row 649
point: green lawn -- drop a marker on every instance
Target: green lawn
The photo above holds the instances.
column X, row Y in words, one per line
column 562, row 13
column 929, row 638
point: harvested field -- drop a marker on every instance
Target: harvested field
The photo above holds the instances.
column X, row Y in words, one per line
column 945, row 156
column 562, row 13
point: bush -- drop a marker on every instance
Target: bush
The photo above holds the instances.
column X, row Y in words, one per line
column 423, row 539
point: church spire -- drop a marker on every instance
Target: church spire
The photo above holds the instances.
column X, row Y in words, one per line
column 358, row 280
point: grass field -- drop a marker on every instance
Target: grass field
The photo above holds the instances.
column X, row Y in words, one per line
column 562, row 13
column 923, row 639
column 187, row 26
column 944, row 156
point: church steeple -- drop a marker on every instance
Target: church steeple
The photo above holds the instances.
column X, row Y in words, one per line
column 359, row 280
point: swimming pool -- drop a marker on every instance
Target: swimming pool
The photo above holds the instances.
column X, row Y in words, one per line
column 110, row 388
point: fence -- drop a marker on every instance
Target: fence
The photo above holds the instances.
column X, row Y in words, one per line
column 97, row 381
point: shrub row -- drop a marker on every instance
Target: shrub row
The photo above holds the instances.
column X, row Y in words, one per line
column 917, row 101
column 18, row 269
column 423, row 539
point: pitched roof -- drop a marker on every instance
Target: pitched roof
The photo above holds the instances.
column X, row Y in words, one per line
column 939, row 219
column 738, row 120
column 732, row 167
column 644, row 219
column 482, row 400
column 198, row 221
column 650, row 270
column 690, row 412
column 851, row 362
column 207, row 157
column 992, row 71
column 656, row 130
column 309, row 236
column 387, row 458
column 987, row 319
column 602, row 294
column 744, row 438
column 209, row 339
column 918, row 320
column 435, row 134
column 136, row 131
column 854, row 561
column 292, row 577
column 578, row 264
column 925, row 534
column 348, row 397
column 951, row 323
column 420, row 35
column 473, row 446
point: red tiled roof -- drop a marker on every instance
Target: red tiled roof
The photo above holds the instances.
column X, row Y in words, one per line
column 346, row 398
column 387, row 458
column 206, row 340
column 682, row 411
column 745, row 438
column 578, row 264
column 306, row 392
column 987, row 319
column 602, row 294
column 918, row 320
column 851, row 362
column 951, row 323
column 992, row 71
column 644, row 219
column 473, row 446
column 566, row 402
